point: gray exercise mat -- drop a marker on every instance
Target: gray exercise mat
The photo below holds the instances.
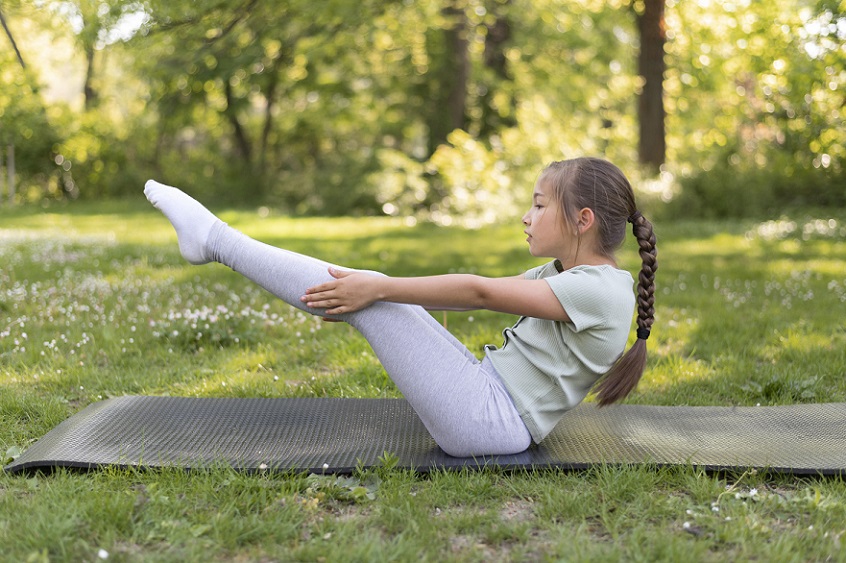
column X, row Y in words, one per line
column 336, row 435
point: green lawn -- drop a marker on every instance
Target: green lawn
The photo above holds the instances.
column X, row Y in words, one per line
column 95, row 302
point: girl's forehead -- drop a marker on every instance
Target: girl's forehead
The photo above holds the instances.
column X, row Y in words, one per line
column 542, row 188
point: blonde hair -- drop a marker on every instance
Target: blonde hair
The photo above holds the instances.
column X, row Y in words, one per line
column 599, row 185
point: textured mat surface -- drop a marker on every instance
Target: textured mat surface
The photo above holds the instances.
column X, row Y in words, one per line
column 335, row 435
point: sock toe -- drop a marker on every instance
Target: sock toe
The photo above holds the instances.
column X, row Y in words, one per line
column 191, row 220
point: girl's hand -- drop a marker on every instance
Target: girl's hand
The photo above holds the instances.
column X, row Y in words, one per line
column 349, row 292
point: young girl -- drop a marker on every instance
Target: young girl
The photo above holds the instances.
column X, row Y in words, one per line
column 575, row 311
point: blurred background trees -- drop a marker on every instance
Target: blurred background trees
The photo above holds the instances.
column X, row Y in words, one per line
column 439, row 109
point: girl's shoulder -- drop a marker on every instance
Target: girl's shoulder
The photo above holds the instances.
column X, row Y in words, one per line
column 598, row 272
column 545, row 270
column 601, row 270
column 595, row 296
column 604, row 283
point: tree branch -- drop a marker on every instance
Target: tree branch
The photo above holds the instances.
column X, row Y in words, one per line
column 12, row 39
column 241, row 13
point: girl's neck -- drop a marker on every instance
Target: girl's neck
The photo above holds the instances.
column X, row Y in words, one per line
column 587, row 260
column 585, row 252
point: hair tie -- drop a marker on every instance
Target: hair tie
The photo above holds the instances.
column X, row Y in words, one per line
column 634, row 217
column 643, row 333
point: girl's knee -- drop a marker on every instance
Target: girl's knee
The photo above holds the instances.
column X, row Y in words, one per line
column 468, row 446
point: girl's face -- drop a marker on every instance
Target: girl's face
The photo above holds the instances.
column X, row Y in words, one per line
column 548, row 234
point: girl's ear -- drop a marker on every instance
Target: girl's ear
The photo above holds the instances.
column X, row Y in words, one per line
column 586, row 219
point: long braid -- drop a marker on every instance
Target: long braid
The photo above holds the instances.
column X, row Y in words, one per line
column 626, row 373
column 645, row 235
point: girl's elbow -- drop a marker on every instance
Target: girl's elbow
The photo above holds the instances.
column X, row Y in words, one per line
column 483, row 297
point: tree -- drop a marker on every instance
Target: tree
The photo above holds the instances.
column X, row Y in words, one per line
column 264, row 91
column 651, row 68
column 496, row 96
column 443, row 107
column 93, row 23
column 756, row 97
column 449, row 84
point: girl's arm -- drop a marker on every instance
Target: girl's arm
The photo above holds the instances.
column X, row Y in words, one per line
column 458, row 309
column 352, row 291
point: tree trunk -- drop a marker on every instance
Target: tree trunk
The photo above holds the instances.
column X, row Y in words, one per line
column 270, row 96
column 241, row 141
column 651, row 66
column 2, row 179
column 88, row 87
column 456, row 37
column 498, row 35
column 449, row 98
column 10, row 168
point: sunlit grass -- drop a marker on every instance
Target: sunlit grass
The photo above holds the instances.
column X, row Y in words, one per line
column 95, row 302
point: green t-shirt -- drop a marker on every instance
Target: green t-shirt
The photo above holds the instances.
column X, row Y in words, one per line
column 549, row 367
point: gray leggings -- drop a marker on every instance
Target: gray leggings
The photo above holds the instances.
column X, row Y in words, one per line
column 461, row 400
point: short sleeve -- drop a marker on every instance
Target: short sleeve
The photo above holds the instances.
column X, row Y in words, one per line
column 542, row 271
column 591, row 296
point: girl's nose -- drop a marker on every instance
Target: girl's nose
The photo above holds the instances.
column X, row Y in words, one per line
column 526, row 219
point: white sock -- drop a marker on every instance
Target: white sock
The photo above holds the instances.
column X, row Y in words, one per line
column 192, row 221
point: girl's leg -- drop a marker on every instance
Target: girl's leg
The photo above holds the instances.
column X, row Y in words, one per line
column 461, row 401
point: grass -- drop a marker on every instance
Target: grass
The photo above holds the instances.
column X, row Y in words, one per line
column 95, row 302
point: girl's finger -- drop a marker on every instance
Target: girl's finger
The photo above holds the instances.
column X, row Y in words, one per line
column 338, row 274
column 318, row 304
column 315, row 297
column 319, row 288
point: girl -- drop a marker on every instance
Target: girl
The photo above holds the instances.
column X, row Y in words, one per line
column 575, row 311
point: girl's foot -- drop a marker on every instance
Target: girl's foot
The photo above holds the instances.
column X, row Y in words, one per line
column 192, row 221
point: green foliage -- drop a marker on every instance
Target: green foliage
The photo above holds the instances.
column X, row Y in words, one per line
column 444, row 110
column 26, row 125
column 762, row 95
column 743, row 188
column 98, row 159
column 354, row 489
column 778, row 389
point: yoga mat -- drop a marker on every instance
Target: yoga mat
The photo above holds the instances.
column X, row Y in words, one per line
column 336, row 435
